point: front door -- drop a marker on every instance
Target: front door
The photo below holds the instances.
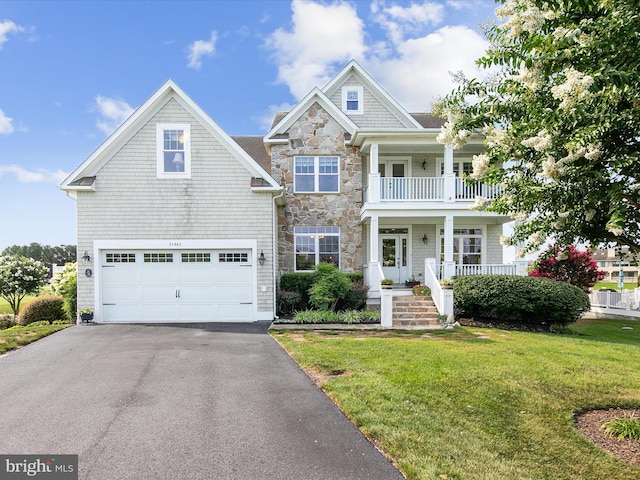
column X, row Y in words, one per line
column 392, row 175
column 393, row 255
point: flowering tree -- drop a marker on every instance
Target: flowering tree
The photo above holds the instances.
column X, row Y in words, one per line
column 19, row 277
column 560, row 114
column 568, row 265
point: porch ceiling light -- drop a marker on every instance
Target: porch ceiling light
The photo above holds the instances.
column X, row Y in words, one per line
column 425, row 239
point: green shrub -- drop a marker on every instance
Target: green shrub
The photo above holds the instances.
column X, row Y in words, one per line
column 330, row 286
column 46, row 308
column 65, row 284
column 355, row 298
column 513, row 300
column 6, row 320
column 347, row 317
column 287, row 302
column 299, row 283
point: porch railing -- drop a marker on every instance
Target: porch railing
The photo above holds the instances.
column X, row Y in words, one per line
column 407, row 189
column 466, row 270
column 411, row 188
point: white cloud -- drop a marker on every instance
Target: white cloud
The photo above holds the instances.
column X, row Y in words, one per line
column 113, row 111
column 201, row 48
column 321, row 35
column 422, row 67
column 6, row 124
column 398, row 22
column 413, row 62
column 37, row 176
column 7, row 27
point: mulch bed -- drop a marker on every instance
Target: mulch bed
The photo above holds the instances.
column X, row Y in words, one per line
column 590, row 424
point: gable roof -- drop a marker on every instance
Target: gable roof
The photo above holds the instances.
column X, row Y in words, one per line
column 426, row 120
column 79, row 179
column 277, row 134
column 374, row 88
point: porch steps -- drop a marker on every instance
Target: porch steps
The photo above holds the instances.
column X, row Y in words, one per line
column 414, row 311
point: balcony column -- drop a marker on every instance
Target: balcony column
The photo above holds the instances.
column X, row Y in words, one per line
column 374, row 175
column 449, row 264
column 449, row 176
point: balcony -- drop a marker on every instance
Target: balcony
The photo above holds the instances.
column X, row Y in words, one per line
column 447, row 188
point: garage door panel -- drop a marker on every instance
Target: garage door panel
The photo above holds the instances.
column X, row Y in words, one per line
column 160, row 312
column 121, row 274
column 159, row 274
column 234, row 313
column 121, row 313
column 198, row 294
column 234, row 294
column 158, row 293
column 239, row 275
column 121, row 294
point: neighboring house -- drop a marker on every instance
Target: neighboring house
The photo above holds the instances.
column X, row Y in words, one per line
column 609, row 261
column 175, row 214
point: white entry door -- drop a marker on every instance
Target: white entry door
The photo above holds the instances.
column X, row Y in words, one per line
column 394, row 257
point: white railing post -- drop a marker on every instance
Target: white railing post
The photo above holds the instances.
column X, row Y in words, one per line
column 386, row 307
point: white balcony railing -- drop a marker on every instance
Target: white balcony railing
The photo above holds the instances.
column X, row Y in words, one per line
column 408, row 189
column 411, row 188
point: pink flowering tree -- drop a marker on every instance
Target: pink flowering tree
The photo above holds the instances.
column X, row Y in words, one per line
column 568, row 265
column 558, row 110
column 20, row 276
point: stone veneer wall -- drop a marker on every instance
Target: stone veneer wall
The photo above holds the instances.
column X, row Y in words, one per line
column 317, row 133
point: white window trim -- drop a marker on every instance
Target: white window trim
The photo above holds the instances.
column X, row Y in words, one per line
column 316, row 174
column 460, row 161
column 482, row 236
column 160, row 128
column 360, row 90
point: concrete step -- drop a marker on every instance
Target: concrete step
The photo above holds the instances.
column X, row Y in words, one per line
column 414, row 311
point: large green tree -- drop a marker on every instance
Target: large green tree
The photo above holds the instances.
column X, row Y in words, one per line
column 56, row 255
column 560, row 112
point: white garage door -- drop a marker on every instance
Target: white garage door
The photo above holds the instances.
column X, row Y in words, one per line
column 176, row 286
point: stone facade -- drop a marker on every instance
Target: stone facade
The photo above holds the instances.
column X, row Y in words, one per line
column 317, row 133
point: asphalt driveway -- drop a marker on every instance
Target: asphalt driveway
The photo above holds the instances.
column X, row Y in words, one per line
column 185, row 402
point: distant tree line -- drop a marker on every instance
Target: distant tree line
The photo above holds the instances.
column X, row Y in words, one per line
column 58, row 255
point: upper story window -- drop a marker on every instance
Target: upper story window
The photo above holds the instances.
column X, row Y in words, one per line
column 352, row 100
column 316, row 174
column 173, row 150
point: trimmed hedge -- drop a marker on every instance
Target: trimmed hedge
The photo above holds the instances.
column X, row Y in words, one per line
column 47, row 308
column 515, row 300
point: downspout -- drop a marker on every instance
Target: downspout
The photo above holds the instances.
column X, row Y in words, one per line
column 275, row 248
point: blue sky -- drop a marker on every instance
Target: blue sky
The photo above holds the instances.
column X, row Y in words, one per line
column 71, row 72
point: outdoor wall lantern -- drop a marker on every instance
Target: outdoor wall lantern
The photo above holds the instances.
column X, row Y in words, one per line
column 86, row 258
column 425, row 240
column 424, row 164
column 261, row 258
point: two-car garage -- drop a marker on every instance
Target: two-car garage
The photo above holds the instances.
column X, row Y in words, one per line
column 152, row 285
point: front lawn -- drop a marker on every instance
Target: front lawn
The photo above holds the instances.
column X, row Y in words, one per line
column 476, row 403
column 5, row 308
column 18, row 336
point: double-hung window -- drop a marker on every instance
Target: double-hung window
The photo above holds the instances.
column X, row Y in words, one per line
column 173, row 150
column 316, row 174
column 314, row 245
column 352, row 103
column 467, row 246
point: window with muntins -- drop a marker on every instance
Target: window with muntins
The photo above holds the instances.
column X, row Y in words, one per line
column 314, row 245
column 352, row 101
column 316, row 174
column 467, row 246
column 174, row 152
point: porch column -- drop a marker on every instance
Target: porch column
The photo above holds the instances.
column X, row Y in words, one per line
column 374, row 175
column 449, row 265
column 449, row 176
column 374, row 260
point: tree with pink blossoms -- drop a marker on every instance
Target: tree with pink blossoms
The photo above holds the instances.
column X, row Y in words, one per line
column 568, row 265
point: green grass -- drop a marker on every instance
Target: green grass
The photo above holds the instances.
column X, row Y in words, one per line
column 5, row 308
column 15, row 337
column 476, row 403
column 614, row 285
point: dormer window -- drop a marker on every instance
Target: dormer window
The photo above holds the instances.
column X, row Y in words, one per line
column 352, row 101
column 173, row 150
